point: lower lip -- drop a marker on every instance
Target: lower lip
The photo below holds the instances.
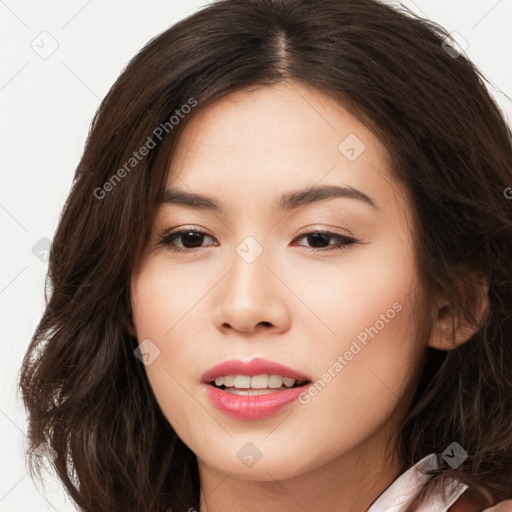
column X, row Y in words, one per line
column 252, row 407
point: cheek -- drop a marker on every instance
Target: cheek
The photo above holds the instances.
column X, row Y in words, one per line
column 164, row 313
column 365, row 346
column 368, row 295
column 364, row 373
column 162, row 298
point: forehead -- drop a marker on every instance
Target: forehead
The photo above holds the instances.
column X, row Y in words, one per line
column 256, row 144
column 275, row 119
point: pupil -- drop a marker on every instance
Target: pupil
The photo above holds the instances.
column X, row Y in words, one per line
column 192, row 235
column 321, row 238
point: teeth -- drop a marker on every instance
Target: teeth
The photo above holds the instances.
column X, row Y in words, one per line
column 242, row 381
column 228, row 381
column 250, row 392
column 254, row 382
column 259, row 382
column 220, row 380
column 288, row 382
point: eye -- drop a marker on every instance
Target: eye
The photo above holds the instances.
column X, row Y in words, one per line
column 322, row 238
column 192, row 239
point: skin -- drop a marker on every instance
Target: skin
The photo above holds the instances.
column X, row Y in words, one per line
column 207, row 305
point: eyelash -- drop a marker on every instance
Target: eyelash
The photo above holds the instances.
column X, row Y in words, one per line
column 343, row 241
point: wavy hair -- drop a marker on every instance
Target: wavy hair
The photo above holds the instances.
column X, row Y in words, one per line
column 87, row 395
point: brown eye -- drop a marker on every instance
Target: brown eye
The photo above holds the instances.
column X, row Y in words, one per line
column 319, row 240
column 190, row 239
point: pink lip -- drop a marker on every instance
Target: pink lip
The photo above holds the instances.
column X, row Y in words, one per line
column 257, row 366
column 252, row 407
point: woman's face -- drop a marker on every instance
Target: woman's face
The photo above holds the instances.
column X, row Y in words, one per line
column 257, row 286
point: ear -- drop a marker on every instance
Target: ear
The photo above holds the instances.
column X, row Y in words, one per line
column 129, row 326
column 450, row 329
column 131, row 329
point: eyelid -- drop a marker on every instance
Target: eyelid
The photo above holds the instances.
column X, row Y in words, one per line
column 326, row 229
column 307, row 230
column 343, row 240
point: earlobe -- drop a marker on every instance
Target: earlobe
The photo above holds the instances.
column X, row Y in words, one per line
column 441, row 334
column 450, row 329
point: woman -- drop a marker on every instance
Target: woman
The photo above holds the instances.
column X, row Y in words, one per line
column 206, row 346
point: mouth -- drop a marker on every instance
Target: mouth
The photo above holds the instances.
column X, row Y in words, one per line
column 253, row 390
column 253, row 403
column 257, row 373
column 257, row 384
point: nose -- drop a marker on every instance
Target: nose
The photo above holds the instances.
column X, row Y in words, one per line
column 251, row 298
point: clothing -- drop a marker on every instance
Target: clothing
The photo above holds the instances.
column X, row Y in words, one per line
column 399, row 496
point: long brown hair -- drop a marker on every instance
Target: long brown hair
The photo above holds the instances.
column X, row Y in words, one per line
column 86, row 393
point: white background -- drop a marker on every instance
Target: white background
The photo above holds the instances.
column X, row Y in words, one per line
column 47, row 105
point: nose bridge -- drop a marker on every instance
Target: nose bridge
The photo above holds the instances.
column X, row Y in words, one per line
column 248, row 296
column 250, row 271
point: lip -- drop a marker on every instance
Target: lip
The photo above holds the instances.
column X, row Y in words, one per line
column 252, row 407
column 256, row 366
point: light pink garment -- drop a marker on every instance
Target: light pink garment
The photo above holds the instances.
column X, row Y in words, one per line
column 406, row 487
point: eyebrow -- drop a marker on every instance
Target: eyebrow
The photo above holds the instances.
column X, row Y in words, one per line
column 288, row 201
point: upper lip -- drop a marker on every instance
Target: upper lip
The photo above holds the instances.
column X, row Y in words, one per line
column 257, row 366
